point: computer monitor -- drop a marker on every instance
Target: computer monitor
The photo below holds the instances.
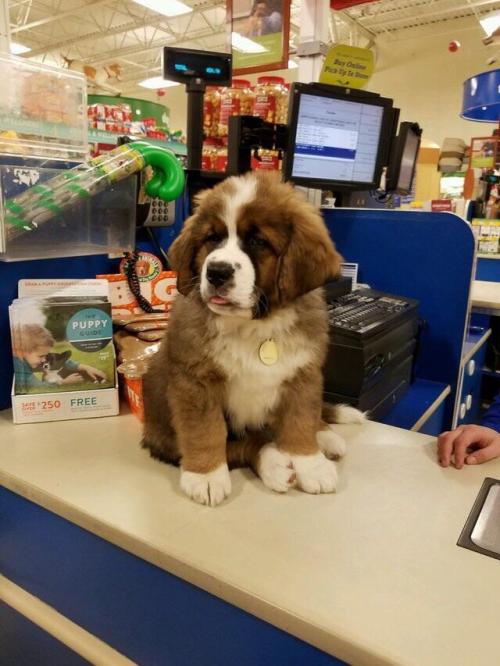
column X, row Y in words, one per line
column 401, row 168
column 339, row 138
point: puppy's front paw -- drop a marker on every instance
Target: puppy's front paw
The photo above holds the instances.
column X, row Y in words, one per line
column 275, row 468
column 210, row 488
column 332, row 445
column 315, row 473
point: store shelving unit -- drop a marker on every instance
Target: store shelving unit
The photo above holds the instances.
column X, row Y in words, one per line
column 101, row 136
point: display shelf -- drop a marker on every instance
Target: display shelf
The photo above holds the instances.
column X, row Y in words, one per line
column 476, row 337
column 417, row 404
column 42, row 113
column 101, row 136
column 484, row 255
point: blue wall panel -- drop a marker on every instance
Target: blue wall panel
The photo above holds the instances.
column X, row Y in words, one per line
column 427, row 256
column 144, row 612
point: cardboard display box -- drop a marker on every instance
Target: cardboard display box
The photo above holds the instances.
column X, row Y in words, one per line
column 38, row 407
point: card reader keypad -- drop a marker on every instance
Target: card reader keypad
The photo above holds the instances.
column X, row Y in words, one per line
column 362, row 311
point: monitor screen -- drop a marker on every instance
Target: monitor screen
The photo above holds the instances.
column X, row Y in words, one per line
column 401, row 167
column 337, row 141
column 185, row 64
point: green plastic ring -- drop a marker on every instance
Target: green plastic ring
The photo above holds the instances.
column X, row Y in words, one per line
column 168, row 180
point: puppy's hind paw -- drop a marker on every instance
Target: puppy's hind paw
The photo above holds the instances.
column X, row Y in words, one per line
column 332, row 445
column 348, row 414
column 209, row 489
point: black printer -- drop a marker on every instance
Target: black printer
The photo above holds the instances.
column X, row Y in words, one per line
column 372, row 344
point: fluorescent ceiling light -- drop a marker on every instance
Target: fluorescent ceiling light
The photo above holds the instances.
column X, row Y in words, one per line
column 245, row 45
column 17, row 48
column 157, row 82
column 166, row 7
column 490, row 23
column 292, row 64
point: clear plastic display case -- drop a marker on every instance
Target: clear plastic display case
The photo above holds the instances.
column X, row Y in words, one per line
column 43, row 110
column 104, row 223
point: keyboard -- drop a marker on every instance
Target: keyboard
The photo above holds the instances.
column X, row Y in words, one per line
column 368, row 312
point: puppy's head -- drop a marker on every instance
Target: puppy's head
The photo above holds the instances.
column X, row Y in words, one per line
column 54, row 361
column 253, row 244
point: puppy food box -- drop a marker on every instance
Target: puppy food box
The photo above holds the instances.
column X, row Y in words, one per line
column 63, row 352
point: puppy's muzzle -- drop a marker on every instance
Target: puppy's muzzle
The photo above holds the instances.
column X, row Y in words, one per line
column 219, row 273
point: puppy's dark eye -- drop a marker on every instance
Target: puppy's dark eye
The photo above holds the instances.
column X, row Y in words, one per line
column 213, row 238
column 257, row 243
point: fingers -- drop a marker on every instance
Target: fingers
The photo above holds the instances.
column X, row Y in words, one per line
column 445, row 446
column 75, row 378
column 455, row 442
column 483, row 455
column 457, row 445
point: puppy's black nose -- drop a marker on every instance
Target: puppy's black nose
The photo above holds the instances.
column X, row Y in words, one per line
column 219, row 272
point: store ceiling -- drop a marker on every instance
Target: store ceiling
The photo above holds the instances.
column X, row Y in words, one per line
column 100, row 32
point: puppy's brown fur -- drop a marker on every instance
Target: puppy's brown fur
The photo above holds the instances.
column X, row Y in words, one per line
column 188, row 413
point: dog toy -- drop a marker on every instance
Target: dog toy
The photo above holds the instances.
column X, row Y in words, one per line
column 42, row 202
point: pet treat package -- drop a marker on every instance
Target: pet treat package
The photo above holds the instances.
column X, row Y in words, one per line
column 157, row 286
column 61, row 332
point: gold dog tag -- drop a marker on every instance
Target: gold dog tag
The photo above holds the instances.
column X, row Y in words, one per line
column 269, row 352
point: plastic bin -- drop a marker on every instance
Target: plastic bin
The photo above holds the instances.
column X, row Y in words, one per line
column 102, row 224
column 43, row 110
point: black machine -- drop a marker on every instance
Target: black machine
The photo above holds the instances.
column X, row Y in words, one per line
column 403, row 160
column 184, row 65
column 339, row 138
column 373, row 336
column 196, row 69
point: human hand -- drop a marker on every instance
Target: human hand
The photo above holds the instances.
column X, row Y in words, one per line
column 94, row 373
column 74, row 378
column 470, row 445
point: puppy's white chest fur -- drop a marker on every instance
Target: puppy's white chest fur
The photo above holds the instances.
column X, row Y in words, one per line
column 253, row 389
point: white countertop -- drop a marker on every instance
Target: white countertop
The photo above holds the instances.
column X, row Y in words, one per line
column 372, row 574
column 486, row 295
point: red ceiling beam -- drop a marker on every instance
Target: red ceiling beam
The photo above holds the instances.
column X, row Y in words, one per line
column 347, row 4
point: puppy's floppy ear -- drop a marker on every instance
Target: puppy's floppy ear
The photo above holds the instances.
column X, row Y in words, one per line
column 65, row 355
column 181, row 256
column 310, row 258
column 181, row 253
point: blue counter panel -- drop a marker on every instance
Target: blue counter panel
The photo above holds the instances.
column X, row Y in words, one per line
column 145, row 613
column 415, row 402
column 488, row 270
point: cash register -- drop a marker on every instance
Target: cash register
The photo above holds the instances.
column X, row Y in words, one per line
column 373, row 338
column 344, row 141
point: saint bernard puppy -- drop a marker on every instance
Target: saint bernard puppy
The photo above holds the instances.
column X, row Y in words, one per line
column 237, row 380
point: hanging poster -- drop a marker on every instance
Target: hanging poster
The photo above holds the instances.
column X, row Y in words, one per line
column 483, row 154
column 259, row 34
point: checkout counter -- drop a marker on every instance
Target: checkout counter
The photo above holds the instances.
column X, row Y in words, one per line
column 100, row 534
